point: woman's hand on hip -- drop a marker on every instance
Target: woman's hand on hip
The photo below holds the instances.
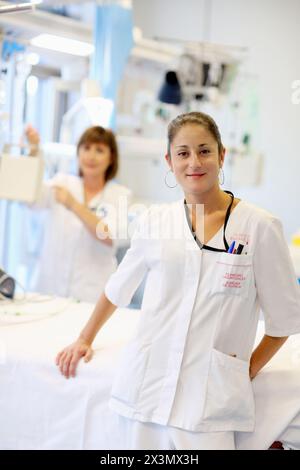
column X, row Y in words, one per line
column 68, row 358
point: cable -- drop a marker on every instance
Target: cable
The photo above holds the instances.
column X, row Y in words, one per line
column 39, row 318
column 34, row 298
column 26, row 297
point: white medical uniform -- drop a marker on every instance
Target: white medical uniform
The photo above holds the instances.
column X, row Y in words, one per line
column 200, row 309
column 73, row 263
column 133, row 435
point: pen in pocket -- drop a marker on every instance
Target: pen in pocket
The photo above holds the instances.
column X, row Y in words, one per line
column 231, row 248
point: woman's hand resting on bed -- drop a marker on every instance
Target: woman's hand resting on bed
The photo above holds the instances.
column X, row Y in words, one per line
column 68, row 358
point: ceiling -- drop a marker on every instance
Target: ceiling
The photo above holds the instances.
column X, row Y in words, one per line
column 79, row 25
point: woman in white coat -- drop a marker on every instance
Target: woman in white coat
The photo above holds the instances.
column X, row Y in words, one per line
column 78, row 253
column 185, row 379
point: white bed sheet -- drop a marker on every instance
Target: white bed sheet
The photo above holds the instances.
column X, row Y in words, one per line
column 40, row 409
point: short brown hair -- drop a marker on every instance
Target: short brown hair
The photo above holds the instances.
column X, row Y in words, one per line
column 194, row 117
column 99, row 135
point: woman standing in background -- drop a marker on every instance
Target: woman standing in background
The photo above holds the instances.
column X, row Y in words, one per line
column 78, row 252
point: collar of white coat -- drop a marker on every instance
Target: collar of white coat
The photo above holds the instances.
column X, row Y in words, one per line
column 181, row 223
column 93, row 203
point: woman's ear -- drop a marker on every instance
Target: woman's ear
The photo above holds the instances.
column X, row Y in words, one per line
column 222, row 157
column 169, row 161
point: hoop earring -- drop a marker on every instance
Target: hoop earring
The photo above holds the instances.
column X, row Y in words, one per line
column 166, row 183
column 221, row 173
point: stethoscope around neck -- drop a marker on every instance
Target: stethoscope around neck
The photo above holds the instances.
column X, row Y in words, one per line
column 202, row 246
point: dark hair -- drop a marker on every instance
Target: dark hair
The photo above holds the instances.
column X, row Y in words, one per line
column 99, row 135
column 194, row 117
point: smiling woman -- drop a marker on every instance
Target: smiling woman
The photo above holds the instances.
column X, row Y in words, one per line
column 185, row 379
column 98, row 153
column 195, row 152
column 196, row 157
column 79, row 245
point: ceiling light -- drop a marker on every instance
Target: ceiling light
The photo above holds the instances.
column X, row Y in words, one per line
column 64, row 45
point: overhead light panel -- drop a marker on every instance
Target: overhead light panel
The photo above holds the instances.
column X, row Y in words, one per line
column 64, row 45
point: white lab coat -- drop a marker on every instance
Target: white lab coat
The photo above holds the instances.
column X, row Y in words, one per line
column 199, row 309
column 73, row 263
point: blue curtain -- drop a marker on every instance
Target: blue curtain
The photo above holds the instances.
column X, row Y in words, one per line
column 113, row 41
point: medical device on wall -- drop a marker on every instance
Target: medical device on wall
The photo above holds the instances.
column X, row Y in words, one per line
column 20, row 177
column 90, row 110
column 7, row 285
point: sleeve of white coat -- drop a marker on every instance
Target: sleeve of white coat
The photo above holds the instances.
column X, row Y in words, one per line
column 46, row 198
column 276, row 282
column 123, row 283
column 115, row 214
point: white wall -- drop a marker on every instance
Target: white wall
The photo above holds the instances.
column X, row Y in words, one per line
column 181, row 19
column 270, row 29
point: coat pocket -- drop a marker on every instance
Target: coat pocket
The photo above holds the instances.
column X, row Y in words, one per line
column 229, row 395
column 233, row 275
column 130, row 373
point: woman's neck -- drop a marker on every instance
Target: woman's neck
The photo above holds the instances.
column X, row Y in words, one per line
column 214, row 200
column 93, row 184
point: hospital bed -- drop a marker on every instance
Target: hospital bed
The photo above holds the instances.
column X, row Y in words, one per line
column 40, row 409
